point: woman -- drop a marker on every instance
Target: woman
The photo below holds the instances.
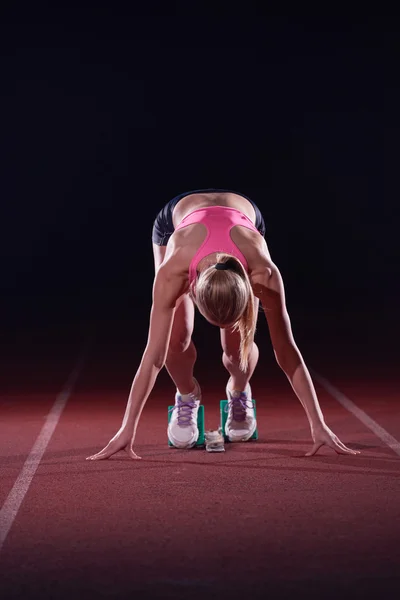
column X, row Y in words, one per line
column 210, row 251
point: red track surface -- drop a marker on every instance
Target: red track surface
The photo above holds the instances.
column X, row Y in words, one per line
column 259, row 520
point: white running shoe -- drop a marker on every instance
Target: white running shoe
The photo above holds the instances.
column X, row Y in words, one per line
column 182, row 427
column 241, row 422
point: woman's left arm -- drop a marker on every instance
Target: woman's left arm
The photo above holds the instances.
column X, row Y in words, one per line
column 268, row 287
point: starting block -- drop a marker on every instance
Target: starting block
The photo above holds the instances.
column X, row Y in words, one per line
column 200, row 425
column 223, row 411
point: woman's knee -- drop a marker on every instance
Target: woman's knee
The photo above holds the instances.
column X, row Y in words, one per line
column 230, row 343
column 231, row 356
column 179, row 344
column 182, row 328
column 232, row 353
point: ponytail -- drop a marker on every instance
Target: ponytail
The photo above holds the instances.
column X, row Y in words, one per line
column 225, row 296
column 246, row 324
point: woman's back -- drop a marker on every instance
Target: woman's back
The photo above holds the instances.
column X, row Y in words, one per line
column 195, row 201
column 190, row 238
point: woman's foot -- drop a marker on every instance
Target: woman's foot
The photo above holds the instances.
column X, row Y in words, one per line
column 183, row 431
column 241, row 422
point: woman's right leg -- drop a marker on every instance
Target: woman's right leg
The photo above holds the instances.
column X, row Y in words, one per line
column 182, row 431
column 182, row 353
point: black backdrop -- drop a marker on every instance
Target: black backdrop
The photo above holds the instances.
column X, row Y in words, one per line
column 106, row 116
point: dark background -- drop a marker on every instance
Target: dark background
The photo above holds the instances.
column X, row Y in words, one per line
column 107, row 115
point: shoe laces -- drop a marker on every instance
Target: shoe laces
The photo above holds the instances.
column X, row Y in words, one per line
column 184, row 409
column 239, row 405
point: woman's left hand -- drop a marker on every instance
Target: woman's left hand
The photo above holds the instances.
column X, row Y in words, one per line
column 122, row 440
column 323, row 436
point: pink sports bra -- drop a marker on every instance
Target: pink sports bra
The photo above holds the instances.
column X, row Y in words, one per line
column 219, row 221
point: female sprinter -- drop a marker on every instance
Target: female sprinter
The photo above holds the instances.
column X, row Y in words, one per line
column 210, row 252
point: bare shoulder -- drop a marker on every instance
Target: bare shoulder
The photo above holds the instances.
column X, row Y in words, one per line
column 258, row 258
column 254, row 247
column 177, row 256
column 266, row 280
column 172, row 278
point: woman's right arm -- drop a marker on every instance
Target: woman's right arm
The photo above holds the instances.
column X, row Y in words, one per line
column 170, row 283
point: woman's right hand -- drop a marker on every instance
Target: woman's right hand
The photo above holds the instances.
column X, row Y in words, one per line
column 122, row 440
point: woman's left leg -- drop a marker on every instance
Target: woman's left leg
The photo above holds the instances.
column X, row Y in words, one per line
column 230, row 342
column 241, row 420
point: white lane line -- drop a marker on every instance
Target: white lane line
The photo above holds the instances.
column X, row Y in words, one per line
column 379, row 431
column 18, row 492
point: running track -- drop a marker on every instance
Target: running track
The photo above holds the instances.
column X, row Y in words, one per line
column 257, row 521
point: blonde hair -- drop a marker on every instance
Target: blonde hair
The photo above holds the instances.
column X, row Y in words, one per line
column 226, row 297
